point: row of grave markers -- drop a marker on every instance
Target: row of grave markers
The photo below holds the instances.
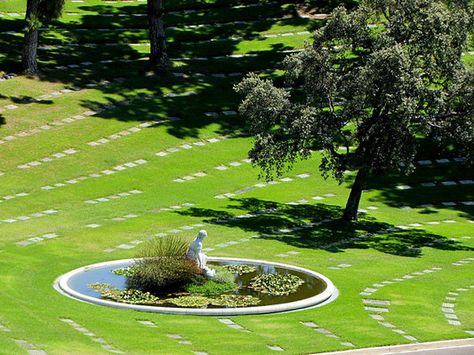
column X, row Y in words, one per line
column 439, row 204
column 220, row 167
column 128, row 131
column 48, row 159
column 378, row 306
column 30, row 348
column 139, row 44
column 97, row 110
column 134, row 243
column 438, row 183
column 179, row 338
column 113, row 197
column 447, row 308
column 92, row 336
column 27, row 217
column 260, row 185
column 106, row 172
column 57, row 93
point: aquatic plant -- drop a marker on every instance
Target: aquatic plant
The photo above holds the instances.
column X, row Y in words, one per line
column 241, row 269
column 276, row 284
column 162, row 266
column 211, row 288
column 189, row 301
column 235, row 301
column 125, row 271
column 130, row 296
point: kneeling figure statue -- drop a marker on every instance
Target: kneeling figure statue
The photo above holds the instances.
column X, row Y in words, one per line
column 195, row 253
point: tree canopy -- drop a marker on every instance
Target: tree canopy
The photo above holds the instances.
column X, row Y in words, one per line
column 374, row 80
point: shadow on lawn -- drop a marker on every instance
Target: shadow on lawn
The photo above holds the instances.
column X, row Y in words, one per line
column 136, row 77
column 272, row 221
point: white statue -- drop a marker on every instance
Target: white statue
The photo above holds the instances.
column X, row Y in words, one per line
column 195, row 253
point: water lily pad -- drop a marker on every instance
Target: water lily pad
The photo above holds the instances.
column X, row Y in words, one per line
column 276, row 284
column 241, row 269
column 189, row 301
column 235, row 301
column 125, row 271
column 130, row 296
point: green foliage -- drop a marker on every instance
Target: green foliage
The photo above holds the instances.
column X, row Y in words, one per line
column 276, row 284
column 125, row 271
column 168, row 246
column 211, row 288
column 164, row 274
column 131, row 296
column 221, row 301
column 235, row 301
column 375, row 80
column 189, row 301
column 49, row 10
column 241, row 269
column 223, row 275
column 163, row 266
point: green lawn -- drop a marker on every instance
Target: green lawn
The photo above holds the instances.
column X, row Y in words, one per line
column 422, row 233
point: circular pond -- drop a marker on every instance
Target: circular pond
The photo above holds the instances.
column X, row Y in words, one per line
column 313, row 290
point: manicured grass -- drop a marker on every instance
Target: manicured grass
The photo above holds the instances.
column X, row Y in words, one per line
column 32, row 310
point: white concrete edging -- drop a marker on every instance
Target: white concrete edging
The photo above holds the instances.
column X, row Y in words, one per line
column 62, row 285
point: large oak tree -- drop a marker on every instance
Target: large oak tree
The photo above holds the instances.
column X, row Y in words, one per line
column 374, row 80
column 38, row 12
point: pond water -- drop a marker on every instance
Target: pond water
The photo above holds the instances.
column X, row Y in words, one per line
column 312, row 285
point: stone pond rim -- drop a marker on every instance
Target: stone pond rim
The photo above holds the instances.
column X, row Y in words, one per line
column 61, row 285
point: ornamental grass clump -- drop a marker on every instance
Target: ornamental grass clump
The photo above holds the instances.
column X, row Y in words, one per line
column 162, row 267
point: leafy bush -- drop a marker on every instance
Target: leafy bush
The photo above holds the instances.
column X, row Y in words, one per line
column 163, row 267
column 211, row 288
column 276, row 284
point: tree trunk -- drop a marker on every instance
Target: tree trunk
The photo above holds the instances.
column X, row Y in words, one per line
column 352, row 205
column 158, row 55
column 30, row 46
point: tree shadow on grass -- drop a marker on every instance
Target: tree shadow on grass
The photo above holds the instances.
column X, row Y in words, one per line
column 117, row 43
column 319, row 227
